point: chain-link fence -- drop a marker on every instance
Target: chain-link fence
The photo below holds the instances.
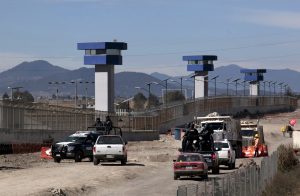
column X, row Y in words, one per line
column 248, row 180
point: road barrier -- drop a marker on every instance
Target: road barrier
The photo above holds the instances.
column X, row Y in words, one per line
column 19, row 148
column 248, row 180
column 46, row 153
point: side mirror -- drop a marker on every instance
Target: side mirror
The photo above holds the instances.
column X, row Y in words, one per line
column 180, row 150
column 174, row 161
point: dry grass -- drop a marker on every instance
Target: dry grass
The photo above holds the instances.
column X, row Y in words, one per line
column 287, row 159
column 286, row 181
column 284, row 184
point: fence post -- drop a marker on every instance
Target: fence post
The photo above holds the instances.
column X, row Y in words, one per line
column 222, row 186
column 213, row 186
column 205, row 184
column 245, row 191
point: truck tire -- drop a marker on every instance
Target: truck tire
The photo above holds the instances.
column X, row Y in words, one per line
column 231, row 165
column 91, row 158
column 215, row 170
column 124, row 161
column 96, row 161
column 176, row 176
column 57, row 160
column 78, row 156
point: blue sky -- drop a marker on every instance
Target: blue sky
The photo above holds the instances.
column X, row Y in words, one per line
column 253, row 34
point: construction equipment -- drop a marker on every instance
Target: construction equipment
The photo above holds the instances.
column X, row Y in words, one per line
column 296, row 142
column 224, row 127
column 248, row 131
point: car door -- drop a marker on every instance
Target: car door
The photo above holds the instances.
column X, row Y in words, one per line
column 88, row 146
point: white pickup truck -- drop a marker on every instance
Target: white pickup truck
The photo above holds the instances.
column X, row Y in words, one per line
column 110, row 148
column 226, row 153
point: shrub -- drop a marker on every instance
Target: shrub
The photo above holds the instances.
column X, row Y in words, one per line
column 287, row 159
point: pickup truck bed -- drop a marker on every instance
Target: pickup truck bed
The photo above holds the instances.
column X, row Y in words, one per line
column 110, row 148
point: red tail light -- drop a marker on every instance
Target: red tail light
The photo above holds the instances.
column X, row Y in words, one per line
column 94, row 149
column 213, row 156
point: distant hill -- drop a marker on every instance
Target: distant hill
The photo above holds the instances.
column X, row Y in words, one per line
column 35, row 76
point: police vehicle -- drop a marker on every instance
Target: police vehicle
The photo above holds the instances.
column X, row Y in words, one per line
column 76, row 146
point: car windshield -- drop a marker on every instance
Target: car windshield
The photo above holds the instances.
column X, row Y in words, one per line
column 109, row 140
column 189, row 158
column 221, row 145
column 75, row 139
column 248, row 132
column 214, row 126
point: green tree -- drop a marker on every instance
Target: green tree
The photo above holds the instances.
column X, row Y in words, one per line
column 174, row 96
column 289, row 92
column 139, row 101
column 23, row 97
column 153, row 101
column 5, row 96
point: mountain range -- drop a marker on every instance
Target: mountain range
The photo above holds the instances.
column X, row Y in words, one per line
column 35, row 77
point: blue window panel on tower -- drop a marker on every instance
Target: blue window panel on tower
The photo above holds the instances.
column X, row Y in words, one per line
column 253, row 71
column 254, row 78
column 200, row 58
column 198, row 67
column 103, row 60
column 102, row 45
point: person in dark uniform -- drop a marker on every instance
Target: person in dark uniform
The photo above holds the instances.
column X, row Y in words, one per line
column 191, row 135
column 98, row 123
column 108, row 124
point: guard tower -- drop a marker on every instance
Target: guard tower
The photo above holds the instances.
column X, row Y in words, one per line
column 104, row 55
column 201, row 65
column 254, row 76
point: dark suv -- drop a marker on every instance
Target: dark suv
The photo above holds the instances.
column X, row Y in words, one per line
column 77, row 146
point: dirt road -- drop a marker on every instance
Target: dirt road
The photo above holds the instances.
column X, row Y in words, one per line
column 149, row 171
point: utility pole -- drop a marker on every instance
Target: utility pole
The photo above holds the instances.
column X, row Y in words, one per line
column 280, row 84
column 274, row 83
column 215, row 78
column 227, row 84
column 236, row 82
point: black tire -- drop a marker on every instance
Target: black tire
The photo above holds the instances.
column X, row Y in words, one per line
column 78, row 156
column 91, row 159
column 96, row 161
column 57, row 160
column 233, row 165
column 124, row 161
column 215, row 170
column 176, row 176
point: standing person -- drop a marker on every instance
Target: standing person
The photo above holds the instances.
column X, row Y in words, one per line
column 256, row 145
column 283, row 130
column 98, row 123
column 290, row 130
column 108, row 124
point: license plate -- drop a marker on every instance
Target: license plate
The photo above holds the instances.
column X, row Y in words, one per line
column 208, row 160
column 189, row 167
column 109, row 156
column 57, row 155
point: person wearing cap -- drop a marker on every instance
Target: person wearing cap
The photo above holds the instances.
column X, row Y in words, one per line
column 256, row 144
